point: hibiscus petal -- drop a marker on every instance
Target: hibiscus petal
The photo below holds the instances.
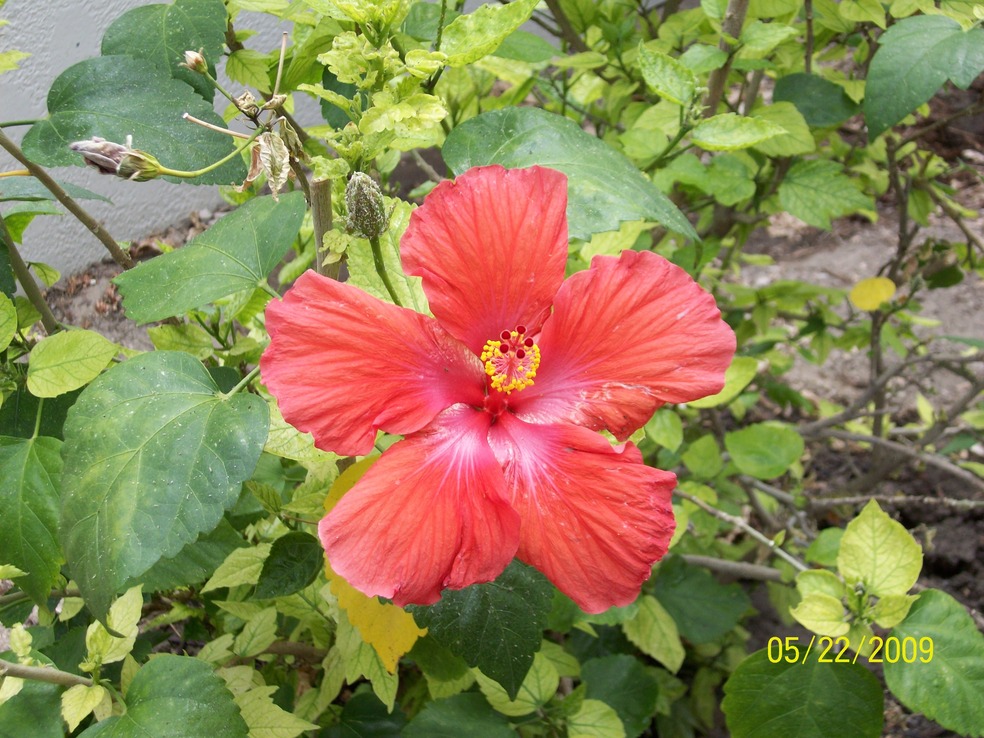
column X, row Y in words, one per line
column 343, row 364
column 626, row 336
column 491, row 248
column 430, row 514
column 594, row 518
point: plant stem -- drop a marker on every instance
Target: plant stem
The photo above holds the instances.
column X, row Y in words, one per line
column 744, row 526
column 119, row 255
column 377, row 260
column 215, row 165
column 740, row 569
column 321, row 217
column 244, row 382
column 27, row 282
column 734, row 19
column 42, row 674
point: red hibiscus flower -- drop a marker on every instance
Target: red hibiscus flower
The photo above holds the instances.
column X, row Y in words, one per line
column 500, row 397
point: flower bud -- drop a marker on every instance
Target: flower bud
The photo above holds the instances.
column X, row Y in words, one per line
column 366, row 212
column 113, row 158
column 247, row 104
column 195, row 62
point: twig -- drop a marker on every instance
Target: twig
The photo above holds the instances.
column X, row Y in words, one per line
column 321, row 216
column 740, row 569
column 119, row 255
column 744, row 526
column 212, row 127
column 567, row 31
column 27, row 282
column 734, row 19
column 824, row 502
column 427, row 169
column 42, row 674
column 301, row 650
column 808, row 52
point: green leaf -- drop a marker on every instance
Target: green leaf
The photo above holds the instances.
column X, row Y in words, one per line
column 258, row 633
column 655, row 633
column 816, row 191
column 796, row 140
column 604, row 187
column 496, row 627
column 595, row 719
column 728, row 131
column 879, row 552
column 47, row 274
column 821, row 102
column 623, row 683
column 242, row 566
column 738, row 376
column 764, row 450
column 364, row 716
column 806, row 700
column 823, row 614
column 463, row 714
column 948, row 686
column 891, row 610
column 35, row 711
column 915, row 57
column 667, row 77
column 188, row 337
column 196, row 562
column 666, row 429
column 295, row 560
column 174, row 696
column 68, row 360
column 8, row 321
column 703, row 457
column 30, row 496
column 161, row 34
column 470, row 37
column 702, row 608
column 759, row 39
column 30, row 189
column 539, row 685
column 526, row 47
column 119, row 96
column 153, row 456
column 237, row 253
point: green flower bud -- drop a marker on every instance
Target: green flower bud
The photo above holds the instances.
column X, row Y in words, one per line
column 195, row 62
column 367, row 212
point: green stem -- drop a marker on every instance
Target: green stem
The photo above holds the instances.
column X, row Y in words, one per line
column 13, row 123
column 37, row 418
column 27, row 282
column 215, row 165
column 118, row 254
column 440, row 25
column 377, row 260
column 243, row 383
column 42, row 674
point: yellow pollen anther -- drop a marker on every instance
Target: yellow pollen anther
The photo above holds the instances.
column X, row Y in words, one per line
column 512, row 361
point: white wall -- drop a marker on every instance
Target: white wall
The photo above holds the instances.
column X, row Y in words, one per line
column 59, row 33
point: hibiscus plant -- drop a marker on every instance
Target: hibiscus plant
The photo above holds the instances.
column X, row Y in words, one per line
column 508, row 445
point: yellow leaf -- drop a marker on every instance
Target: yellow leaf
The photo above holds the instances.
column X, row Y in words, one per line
column 871, row 293
column 347, row 480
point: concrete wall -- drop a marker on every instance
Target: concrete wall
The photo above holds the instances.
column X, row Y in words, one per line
column 59, row 33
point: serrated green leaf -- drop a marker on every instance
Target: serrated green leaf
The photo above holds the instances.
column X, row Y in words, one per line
column 364, row 716
column 702, row 608
column 361, row 660
column 879, row 552
column 759, row 39
column 187, row 337
column 258, row 633
column 470, row 37
column 119, row 96
column 242, row 566
column 294, row 562
column 816, row 191
column 822, row 614
column 495, row 627
column 174, row 696
column 463, row 714
column 153, row 456
column 47, row 274
column 68, row 360
column 946, row 680
column 729, row 131
column 161, row 34
column 539, row 685
column 196, row 562
column 30, row 499
column 624, row 684
column 655, row 633
column 595, row 719
column 105, row 648
column 266, row 719
column 604, row 187
column 764, row 450
column 806, row 700
column 915, row 57
column 667, row 77
column 797, row 138
column 250, row 68
column 287, row 442
column 237, row 253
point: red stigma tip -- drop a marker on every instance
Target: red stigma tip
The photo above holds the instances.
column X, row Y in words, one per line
column 521, row 329
column 520, row 353
column 504, row 335
column 528, row 343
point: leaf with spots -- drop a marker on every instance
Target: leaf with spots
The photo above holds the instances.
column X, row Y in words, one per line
column 154, row 455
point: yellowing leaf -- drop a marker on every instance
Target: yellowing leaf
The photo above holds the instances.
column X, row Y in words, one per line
column 80, row 700
column 347, row 480
column 104, row 648
column 265, row 719
column 360, row 659
column 869, row 294
column 880, row 553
